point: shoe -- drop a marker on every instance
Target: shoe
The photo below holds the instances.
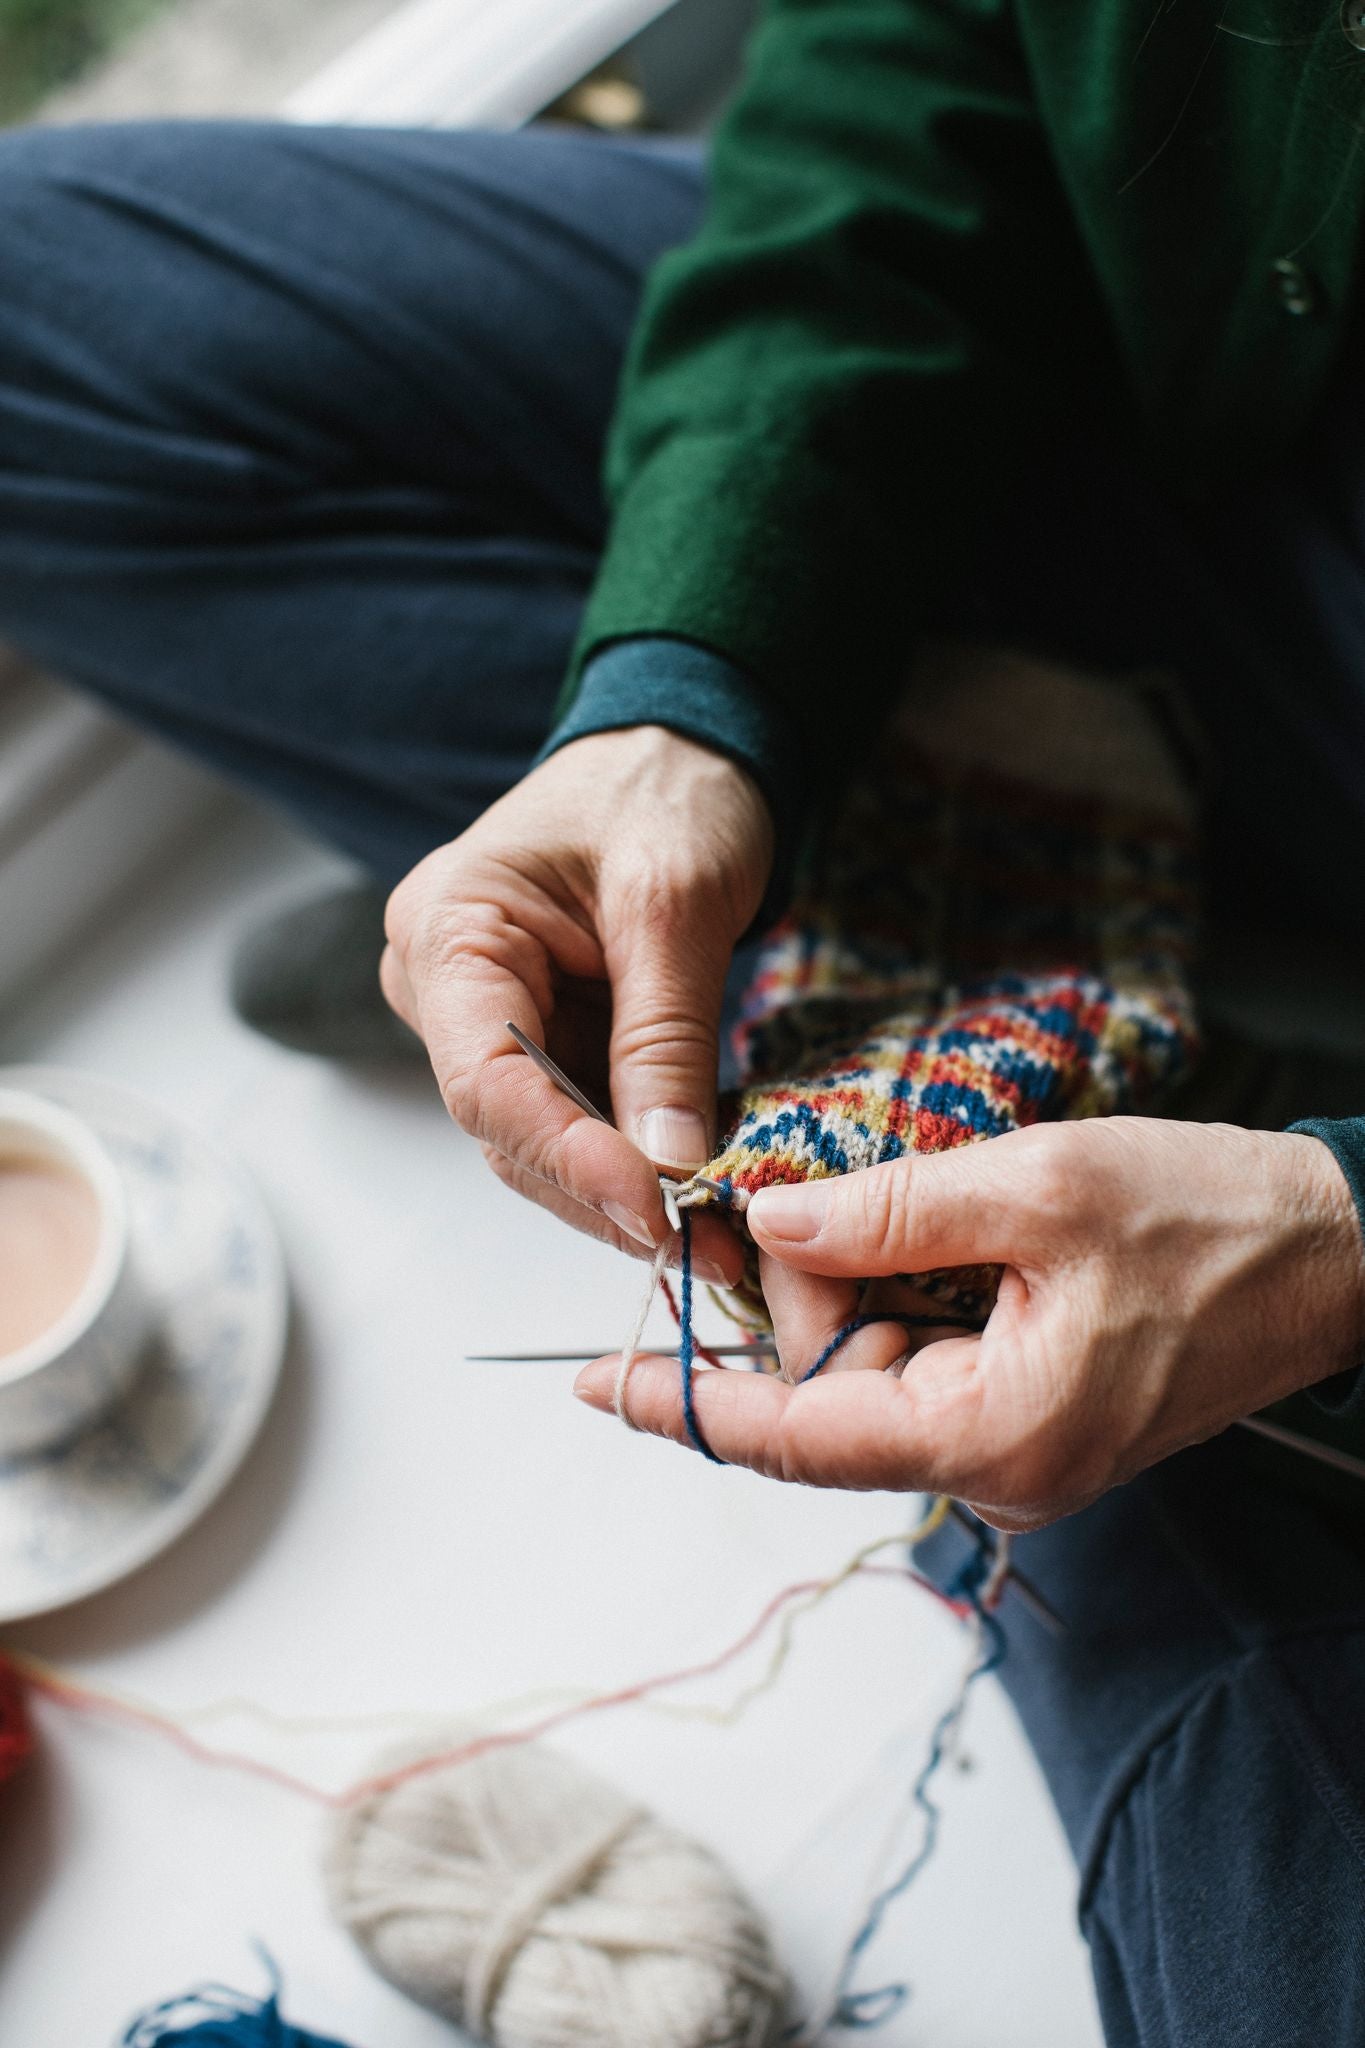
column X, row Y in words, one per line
column 309, row 979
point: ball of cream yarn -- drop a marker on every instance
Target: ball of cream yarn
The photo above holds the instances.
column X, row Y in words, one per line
column 539, row 1907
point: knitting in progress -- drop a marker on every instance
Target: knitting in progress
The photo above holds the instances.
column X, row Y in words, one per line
column 995, row 932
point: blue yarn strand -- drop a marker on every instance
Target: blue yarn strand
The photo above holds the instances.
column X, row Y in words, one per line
column 856, row 2009
column 214, row 2017
column 837, row 1343
column 213, row 2014
column 841, row 1337
column 687, row 1345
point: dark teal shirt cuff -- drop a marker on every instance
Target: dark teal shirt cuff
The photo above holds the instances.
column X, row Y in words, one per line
column 664, row 681
column 1343, row 1396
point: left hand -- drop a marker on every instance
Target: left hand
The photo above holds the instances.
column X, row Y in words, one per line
column 1160, row 1280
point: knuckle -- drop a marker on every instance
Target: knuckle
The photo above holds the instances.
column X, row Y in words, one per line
column 886, row 1207
column 786, row 1456
column 467, row 1093
column 665, row 1040
column 444, row 936
column 501, row 1165
column 411, row 899
column 1050, row 1168
column 531, row 1160
column 398, row 913
column 672, row 912
column 642, row 901
column 460, row 1093
column 393, row 982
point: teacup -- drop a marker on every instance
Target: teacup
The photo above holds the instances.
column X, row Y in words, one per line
column 73, row 1317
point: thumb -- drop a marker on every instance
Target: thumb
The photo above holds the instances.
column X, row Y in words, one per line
column 666, row 1003
column 973, row 1205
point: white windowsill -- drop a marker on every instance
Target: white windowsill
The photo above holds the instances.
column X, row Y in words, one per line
column 461, row 63
column 84, row 801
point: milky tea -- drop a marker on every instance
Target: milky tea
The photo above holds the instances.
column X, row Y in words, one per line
column 49, row 1232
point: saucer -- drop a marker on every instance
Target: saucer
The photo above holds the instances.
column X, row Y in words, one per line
column 77, row 1517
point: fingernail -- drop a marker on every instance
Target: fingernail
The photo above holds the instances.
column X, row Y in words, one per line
column 674, row 1137
column 627, row 1220
column 594, row 1385
column 703, row 1268
column 795, row 1212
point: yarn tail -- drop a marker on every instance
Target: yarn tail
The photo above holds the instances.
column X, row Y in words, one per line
column 977, row 1584
column 215, row 2017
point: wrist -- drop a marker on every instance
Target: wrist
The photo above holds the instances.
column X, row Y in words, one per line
column 1314, row 1191
column 667, row 819
column 655, row 682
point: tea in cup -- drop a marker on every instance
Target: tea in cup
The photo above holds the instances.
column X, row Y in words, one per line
column 72, row 1315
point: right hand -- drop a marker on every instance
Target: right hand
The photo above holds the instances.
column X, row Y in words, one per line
column 597, row 906
column 1160, row 1280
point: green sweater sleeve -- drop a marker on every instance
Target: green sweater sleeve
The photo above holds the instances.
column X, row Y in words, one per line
column 885, row 306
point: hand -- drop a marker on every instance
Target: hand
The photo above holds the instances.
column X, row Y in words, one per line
column 597, row 906
column 1160, row 1280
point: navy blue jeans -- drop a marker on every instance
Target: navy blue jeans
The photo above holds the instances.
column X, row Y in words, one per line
column 299, row 442
column 299, row 447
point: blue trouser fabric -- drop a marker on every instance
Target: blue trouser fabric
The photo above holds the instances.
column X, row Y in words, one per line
column 299, row 442
column 300, row 435
column 1199, row 1724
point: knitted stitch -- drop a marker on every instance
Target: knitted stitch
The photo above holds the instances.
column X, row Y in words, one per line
column 970, row 951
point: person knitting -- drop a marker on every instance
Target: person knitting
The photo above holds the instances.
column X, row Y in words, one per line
column 1027, row 325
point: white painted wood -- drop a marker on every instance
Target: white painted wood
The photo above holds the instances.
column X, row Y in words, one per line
column 53, row 745
column 69, row 845
column 453, row 63
column 103, row 833
column 85, row 802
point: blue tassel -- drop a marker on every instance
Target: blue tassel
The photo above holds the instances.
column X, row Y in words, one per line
column 214, row 2017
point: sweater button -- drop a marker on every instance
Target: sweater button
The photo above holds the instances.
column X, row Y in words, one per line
column 1294, row 287
column 1353, row 23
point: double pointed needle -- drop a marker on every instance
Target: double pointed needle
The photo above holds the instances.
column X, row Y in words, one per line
column 575, row 1094
column 1041, row 1610
column 760, row 1348
column 586, row 1357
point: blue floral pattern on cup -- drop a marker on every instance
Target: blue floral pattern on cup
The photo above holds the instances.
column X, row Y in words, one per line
column 78, row 1516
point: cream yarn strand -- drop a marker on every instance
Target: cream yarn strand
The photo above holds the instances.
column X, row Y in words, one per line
column 631, row 1348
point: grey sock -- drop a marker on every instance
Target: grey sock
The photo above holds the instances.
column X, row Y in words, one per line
column 309, row 978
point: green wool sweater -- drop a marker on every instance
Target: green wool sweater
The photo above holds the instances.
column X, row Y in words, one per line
column 935, row 229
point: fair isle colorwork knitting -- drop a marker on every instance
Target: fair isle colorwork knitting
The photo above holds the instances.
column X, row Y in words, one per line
column 979, row 944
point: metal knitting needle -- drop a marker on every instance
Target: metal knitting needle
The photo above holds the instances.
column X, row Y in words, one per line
column 1307, row 1446
column 575, row 1094
column 585, row 1357
column 1026, row 1590
column 764, row 1347
column 1042, row 1610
